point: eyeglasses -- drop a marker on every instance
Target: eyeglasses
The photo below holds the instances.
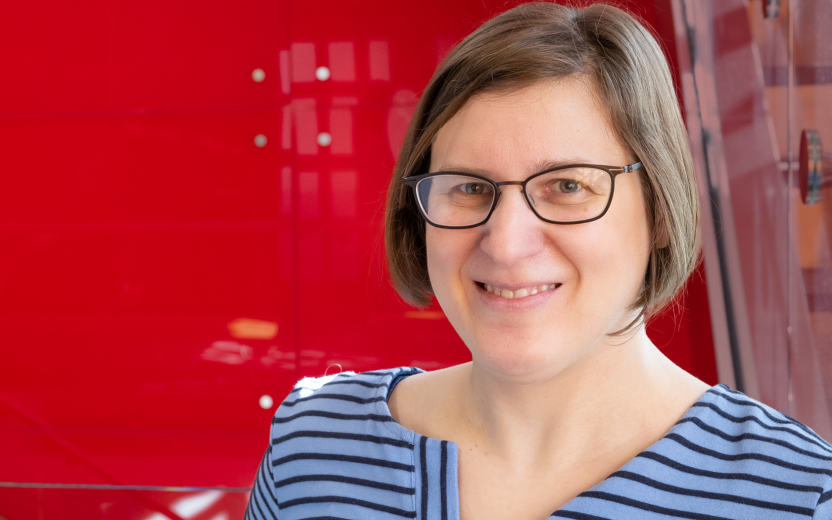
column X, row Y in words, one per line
column 571, row 194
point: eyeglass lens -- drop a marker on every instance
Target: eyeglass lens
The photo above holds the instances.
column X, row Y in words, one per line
column 568, row 195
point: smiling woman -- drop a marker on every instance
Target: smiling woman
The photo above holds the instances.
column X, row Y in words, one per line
column 545, row 197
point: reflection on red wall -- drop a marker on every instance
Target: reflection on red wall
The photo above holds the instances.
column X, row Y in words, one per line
column 190, row 213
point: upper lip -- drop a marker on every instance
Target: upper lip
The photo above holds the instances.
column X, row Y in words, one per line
column 517, row 286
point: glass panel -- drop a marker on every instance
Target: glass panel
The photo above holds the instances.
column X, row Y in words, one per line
column 810, row 94
column 758, row 82
column 795, row 56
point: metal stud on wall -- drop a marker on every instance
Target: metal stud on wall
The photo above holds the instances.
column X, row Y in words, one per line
column 810, row 166
column 771, row 8
column 812, row 175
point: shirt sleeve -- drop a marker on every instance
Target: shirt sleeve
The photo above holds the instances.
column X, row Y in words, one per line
column 262, row 503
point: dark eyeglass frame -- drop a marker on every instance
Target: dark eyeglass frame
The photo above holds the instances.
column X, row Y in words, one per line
column 613, row 171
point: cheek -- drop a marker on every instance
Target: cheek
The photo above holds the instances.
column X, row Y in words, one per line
column 615, row 263
column 447, row 251
column 437, row 257
column 633, row 240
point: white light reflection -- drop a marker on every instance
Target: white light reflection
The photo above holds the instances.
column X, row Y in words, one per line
column 308, row 190
column 228, row 352
column 401, row 112
column 306, row 126
column 324, row 139
column 284, row 72
column 286, row 129
column 193, row 505
column 380, row 60
column 322, row 73
column 308, row 385
column 284, row 360
column 303, row 62
column 344, row 189
column 266, row 402
column 286, row 190
column 342, row 61
column 340, row 125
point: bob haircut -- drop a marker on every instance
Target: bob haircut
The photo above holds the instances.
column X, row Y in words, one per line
column 543, row 41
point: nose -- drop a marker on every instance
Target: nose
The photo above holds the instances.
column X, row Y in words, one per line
column 513, row 232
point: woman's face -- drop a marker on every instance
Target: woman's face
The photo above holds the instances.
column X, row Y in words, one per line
column 597, row 268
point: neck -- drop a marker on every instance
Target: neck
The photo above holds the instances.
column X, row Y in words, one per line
column 617, row 386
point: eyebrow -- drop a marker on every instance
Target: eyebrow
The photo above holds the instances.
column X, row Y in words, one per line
column 538, row 167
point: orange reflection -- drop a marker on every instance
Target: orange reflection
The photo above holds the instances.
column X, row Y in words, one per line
column 245, row 328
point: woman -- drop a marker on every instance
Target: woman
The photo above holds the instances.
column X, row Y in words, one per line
column 545, row 196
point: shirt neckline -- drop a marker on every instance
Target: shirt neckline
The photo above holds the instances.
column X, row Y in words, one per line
column 411, row 436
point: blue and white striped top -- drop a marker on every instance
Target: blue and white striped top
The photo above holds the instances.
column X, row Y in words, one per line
column 336, row 453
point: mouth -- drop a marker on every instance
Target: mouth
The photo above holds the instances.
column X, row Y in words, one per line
column 516, row 294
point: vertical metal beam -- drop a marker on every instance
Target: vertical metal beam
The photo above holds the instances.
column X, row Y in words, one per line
column 693, row 23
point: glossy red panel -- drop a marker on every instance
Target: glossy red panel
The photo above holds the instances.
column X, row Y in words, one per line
column 390, row 47
column 683, row 330
column 107, row 504
column 146, row 296
column 153, row 56
column 340, row 197
column 395, row 47
column 142, row 345
column 160, row 169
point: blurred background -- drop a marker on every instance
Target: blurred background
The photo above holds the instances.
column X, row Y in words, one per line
column 191, row 197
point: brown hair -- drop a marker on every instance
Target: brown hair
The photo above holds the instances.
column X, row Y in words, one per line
column 540, row 41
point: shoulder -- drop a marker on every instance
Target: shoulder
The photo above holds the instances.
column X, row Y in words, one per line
column 321, row 403
column 753, row 450
column 334, row 445
column 728, row 453
column 733, row 416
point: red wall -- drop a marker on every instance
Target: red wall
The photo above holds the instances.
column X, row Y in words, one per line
column 140, row 222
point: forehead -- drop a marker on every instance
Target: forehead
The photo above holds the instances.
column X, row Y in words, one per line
column 516, row 133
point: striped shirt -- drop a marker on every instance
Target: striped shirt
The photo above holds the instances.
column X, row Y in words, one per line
column 336, row 453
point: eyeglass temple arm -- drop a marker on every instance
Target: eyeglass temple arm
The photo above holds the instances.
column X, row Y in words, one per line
column 627, row 168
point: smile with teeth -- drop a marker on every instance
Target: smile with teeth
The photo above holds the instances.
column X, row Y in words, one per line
column 519, row 293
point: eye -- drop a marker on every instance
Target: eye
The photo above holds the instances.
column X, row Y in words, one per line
column 474, row 188
column 569, row 186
